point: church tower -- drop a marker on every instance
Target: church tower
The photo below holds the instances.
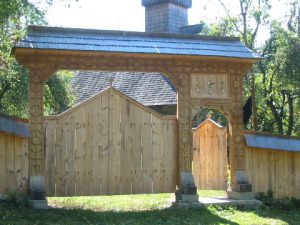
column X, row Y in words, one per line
column 166, row 16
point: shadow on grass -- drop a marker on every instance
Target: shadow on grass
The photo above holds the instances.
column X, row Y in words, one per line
column 291, row 217
column 172, row 215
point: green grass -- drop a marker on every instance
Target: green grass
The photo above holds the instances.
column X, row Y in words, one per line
column 139, row 209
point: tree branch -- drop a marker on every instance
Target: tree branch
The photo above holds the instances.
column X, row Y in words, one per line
column 230, row 18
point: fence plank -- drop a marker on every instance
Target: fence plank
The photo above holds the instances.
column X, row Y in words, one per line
column 147, row 171
column 3, row 140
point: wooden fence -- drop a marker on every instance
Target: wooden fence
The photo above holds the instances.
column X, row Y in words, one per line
column 110, row 144
column 210, row 156
column 278, row 171
column 13, row 163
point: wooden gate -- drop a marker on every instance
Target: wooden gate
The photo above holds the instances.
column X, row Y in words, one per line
column 110, row 144
column 210, row 156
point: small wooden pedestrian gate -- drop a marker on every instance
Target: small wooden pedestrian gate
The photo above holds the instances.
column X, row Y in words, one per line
column 210, row 156
column 110, row 144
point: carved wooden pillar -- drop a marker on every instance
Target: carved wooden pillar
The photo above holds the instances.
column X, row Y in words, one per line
column 187, row 184
column 239, row 180
column 184, row 125
column 36, row 144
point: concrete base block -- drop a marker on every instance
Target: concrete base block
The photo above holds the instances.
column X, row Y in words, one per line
column 39, row 204
column 221, row 201
column 189, row 198
column 187, row 205
column 37, row 187
column 240, row 195
column 2, row 197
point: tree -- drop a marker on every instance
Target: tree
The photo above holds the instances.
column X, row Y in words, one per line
column 280, row 79
column 274, row 82
column 253, row 14
column 15, row 16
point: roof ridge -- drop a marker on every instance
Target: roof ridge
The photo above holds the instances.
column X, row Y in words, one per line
column 129, row 33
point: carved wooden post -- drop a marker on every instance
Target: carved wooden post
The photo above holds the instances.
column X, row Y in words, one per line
column 239, row 180
column 188, row 190
column 36, row 144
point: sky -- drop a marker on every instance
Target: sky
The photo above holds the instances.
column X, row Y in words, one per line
column 129, row 14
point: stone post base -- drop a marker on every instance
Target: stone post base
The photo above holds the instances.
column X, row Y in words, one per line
column 188, row 190
column 39, row 204
column 37, row 187
column 240, row 195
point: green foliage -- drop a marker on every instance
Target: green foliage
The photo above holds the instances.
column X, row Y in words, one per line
column 58, row 93
column 17, row 199
column 15, row 16
column 214, row 114
column 274, row 82
column 278, row 82
column 282, row 204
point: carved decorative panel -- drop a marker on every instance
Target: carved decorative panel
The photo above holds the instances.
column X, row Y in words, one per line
column 210, row 86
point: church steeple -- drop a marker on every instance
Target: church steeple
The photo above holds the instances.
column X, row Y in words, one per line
column 166, row 15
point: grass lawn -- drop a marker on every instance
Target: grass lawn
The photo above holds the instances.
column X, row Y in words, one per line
column 139, row 209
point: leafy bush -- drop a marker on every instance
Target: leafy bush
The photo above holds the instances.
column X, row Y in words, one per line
column 282, row 203
column 17, row 199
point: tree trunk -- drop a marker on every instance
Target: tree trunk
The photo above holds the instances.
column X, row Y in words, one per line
column 254, row 108
column 291, row 115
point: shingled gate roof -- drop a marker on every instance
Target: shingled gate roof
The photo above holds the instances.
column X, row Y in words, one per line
column 74, row 39
column 146, row 88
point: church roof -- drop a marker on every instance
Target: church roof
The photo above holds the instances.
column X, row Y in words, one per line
column 74, row 39
column 146, row 88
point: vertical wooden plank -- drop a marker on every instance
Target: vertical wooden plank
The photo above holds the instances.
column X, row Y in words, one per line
column 10, row 160
column 51, row 128
column 201, row 157
column 126, row 162
column 175, row 154
column 80, row 146
column 87, row 162
column 157, row 153
column 18, row 157
column 135, row 118
column 297, row 175
column 96, row 143
column 3, row 140
column 147, row 166
column 60, row 158
column 115, row 159
column 25, row 165
column 70, row 155
column 167, row 165
column 105, row 148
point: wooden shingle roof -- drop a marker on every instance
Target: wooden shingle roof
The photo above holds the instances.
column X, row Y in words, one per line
column 148, row 89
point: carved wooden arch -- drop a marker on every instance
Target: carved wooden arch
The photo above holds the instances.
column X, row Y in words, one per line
column 177, row 69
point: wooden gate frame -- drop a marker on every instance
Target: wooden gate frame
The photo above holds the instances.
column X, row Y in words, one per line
column 43, row 63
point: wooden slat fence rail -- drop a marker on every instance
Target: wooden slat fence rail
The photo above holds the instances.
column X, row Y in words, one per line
column 278, row 171
column 210, row 156
column 110, row 144
column 13, row 163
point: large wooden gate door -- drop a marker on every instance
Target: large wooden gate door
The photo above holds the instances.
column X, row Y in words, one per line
column 108, row 145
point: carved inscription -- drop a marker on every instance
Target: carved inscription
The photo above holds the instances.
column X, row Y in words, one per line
column 209, row 86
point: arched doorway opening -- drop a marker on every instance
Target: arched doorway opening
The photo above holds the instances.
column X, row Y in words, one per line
column 210, row 150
